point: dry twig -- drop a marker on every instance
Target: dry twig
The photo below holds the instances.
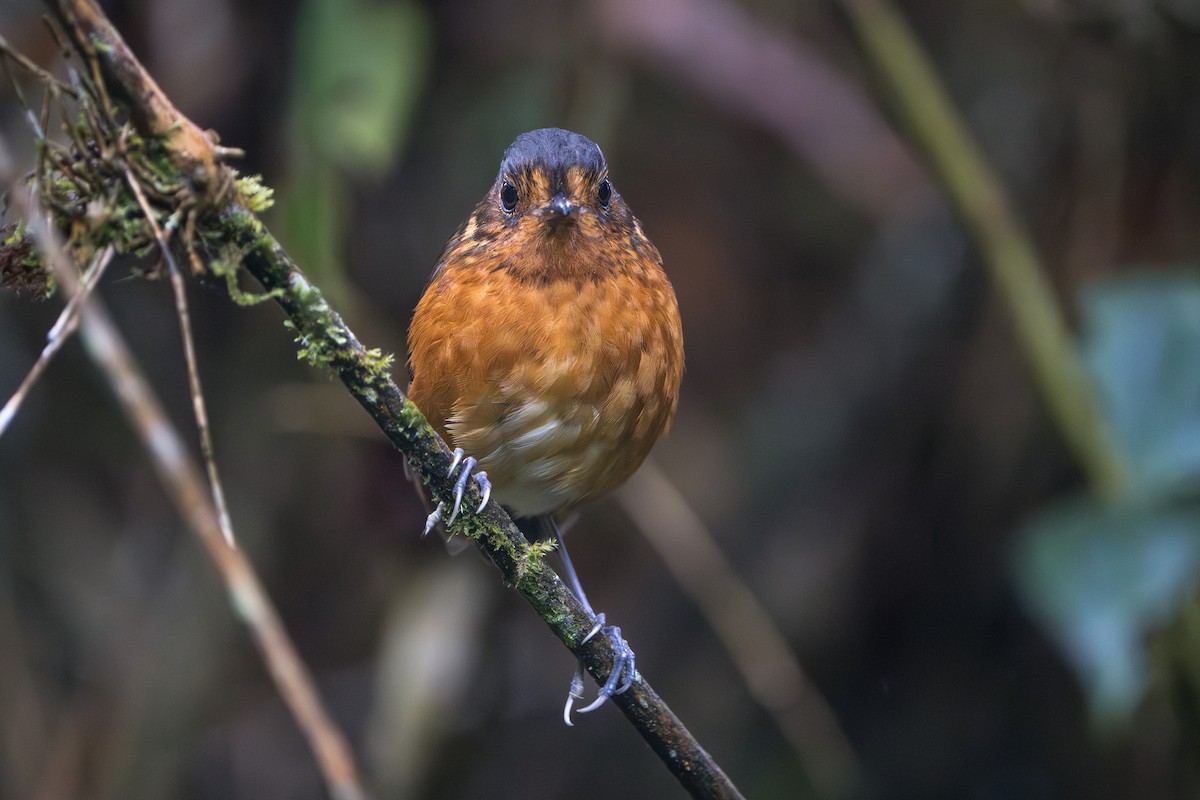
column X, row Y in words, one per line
column 759, row 651
column 199, row 408
column 60, row 334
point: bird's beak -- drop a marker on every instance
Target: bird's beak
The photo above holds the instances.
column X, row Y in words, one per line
column 560, row 209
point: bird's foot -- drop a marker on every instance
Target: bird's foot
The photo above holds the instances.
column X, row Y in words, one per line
column 620, row 677
column 460, row 488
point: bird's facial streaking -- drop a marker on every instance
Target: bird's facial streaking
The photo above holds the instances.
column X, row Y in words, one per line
column 555, row 198
column 551, row 215
column 551, row 181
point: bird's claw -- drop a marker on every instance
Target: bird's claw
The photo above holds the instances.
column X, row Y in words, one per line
column 485, row 490
column 460, row 486
column 432, row 520
column 460, row 489
column 596, row 628
column 574, row 694
column 620, row 677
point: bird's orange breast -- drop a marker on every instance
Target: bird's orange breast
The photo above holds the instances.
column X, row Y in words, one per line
column 559, row 384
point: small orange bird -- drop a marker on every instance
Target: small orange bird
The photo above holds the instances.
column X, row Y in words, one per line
column 547, row 348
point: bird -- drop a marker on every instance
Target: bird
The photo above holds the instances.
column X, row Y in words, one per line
column 547, row 348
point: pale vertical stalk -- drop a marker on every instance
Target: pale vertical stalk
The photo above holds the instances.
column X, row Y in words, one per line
column 976, row 193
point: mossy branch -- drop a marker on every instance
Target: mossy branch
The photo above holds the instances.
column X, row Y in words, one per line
column 222, row 226
column 327, row 341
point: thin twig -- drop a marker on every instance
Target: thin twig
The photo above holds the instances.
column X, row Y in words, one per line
column 979, row 198
column 199, row 407
column 185, row 486
column 60, row 334
column 23, row 61
column 771, row 670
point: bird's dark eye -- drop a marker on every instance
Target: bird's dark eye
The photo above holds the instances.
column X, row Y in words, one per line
column 604, row 193
column 508, row 196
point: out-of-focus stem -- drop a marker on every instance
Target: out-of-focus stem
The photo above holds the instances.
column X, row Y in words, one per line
column 976, row 193
column 760, row 652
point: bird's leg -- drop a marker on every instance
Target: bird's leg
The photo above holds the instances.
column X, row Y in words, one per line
column 622, row 674
column 551, row 526
column 460, row 488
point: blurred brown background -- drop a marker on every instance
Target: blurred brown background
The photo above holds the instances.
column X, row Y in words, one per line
column 857, row 429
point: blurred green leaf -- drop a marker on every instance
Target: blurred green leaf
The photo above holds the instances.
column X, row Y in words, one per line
column 1141, row 340
column 361, row 68
column 1099, row 579
column 315, row 212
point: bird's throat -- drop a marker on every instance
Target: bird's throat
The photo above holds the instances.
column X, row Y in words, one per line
column 565, row 253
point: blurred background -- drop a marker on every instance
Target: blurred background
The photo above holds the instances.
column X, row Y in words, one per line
column 857, row 430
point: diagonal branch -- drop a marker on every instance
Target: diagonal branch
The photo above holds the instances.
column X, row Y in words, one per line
column 328, row 342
